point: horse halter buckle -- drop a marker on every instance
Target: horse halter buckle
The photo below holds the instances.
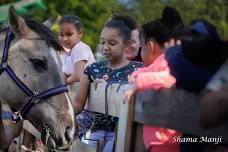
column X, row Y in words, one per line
column 4, row 65
column 17, row 117
column 35, row 98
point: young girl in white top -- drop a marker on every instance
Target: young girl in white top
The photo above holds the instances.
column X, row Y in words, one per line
column 78, row 54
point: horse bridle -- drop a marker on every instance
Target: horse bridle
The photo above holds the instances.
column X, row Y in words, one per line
column 35, row 97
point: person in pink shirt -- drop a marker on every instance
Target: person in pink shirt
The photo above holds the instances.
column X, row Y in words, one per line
column 155, row 75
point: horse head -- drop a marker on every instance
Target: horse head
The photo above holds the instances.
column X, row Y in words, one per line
column 33, row 59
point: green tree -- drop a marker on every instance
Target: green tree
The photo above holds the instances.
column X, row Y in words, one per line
column 214, row 11
column 93, row 14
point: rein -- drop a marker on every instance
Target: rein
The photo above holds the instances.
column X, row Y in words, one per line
column 35, row 97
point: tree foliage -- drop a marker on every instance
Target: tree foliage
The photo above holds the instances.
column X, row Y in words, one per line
column 94, row 13
column 214, row 11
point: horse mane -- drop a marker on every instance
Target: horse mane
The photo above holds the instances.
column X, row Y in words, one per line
column 45, row 33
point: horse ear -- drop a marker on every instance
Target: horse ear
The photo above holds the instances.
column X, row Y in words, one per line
column 50, row 21
column 17, row 24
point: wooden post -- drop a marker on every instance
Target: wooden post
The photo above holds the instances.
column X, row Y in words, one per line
column 123, row 142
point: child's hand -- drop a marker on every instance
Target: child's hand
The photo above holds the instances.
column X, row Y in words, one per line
column 172, row 42
column 131, row 79
column 164, row 135
column 96, row 81
column 130, row 92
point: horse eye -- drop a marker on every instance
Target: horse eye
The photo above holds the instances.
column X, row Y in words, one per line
column 39, row 65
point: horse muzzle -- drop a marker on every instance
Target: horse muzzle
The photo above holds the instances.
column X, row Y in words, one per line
column 54, row 142
column 52, row 146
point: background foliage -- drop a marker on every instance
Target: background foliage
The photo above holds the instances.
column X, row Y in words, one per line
column 94, row 13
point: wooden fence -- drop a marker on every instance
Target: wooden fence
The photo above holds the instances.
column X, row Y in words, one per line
column 181, row 112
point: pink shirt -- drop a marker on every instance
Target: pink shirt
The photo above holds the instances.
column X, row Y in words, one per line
column 79, row 52
column 157, row 76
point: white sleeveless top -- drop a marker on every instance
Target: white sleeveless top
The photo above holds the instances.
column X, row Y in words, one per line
column 79, row 52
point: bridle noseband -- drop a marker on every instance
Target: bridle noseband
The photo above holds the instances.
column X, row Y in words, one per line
column 35, row 97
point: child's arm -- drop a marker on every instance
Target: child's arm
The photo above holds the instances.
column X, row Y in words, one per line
column 4, row 141
column 132, row 90
column 149, row 80
column 138, row 71
column 154, row 80
column 81, row 96
column 9, row 132
column 79, row 68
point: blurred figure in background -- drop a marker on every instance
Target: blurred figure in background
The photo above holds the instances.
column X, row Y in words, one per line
column 78, row 54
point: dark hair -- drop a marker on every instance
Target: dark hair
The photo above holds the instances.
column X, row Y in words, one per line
column 162, row 29
column 202, row 45
column 171, row 18
column 132, row 24
column 76, row 21
column 121, row 26
column 130, row 21
column 154, row 30
column 45, row 33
